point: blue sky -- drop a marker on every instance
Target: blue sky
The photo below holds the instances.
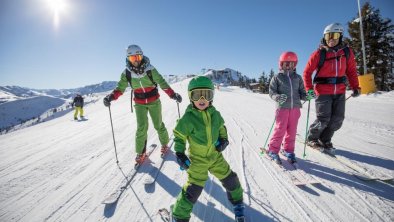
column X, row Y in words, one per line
column 87, row 45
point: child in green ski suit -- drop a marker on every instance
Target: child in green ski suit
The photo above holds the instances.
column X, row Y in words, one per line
column 144, row 79
column 203, row 128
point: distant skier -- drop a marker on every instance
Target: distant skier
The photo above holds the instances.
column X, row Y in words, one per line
column 78, row 103
column 287, row 89
column 329, row 86
column 203, row 128
column 143, row 78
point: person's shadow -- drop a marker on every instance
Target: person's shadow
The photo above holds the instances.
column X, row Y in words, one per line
column 376, row 161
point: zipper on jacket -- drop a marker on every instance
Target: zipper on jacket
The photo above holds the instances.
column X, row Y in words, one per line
column 207, row 122
column 336, row 71
column 291, row 90
column 143, row 89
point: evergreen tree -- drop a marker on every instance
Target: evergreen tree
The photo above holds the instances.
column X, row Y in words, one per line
column 272, row 73
column 263, row 83
column 379, row 45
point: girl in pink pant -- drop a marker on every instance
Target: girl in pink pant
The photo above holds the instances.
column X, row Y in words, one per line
column 287, row 89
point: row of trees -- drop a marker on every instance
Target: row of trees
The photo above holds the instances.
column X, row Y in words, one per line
column 379, row 49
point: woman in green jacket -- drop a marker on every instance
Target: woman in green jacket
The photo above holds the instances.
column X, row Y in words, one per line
column 203, row 128
column 143, row 78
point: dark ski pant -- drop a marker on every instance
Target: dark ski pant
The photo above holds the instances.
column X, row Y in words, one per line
column 330, row 113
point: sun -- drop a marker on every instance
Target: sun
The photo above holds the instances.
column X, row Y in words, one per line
column 57, row 8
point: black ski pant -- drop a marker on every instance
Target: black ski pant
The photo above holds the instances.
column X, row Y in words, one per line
column 330, row 113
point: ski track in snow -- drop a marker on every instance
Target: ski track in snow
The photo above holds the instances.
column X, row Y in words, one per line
column 61, row 170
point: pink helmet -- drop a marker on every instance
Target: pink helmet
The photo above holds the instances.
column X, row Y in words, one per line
column 288, row 57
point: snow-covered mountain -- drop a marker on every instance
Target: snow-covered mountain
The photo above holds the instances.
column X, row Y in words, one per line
column 227, row 76
column 11, row 93
column 61, row 170
column 21, row 107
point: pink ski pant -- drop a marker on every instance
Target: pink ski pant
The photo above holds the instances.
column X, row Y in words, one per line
column 285, row 126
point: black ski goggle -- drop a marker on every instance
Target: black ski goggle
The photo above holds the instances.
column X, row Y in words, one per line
column 197, row 94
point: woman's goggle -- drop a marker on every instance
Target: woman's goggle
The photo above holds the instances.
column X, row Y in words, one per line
column 197, row 94
column 135, row 58
column 332, row 35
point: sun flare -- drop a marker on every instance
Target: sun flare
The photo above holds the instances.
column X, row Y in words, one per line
column 57, row 8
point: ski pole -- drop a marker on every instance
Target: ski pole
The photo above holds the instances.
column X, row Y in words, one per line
column 348, row 97
column 306, row 128
column 113, row 135
column 179, row 114
column 269, row 133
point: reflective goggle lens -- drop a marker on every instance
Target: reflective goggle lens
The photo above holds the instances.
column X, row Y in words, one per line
column 197, row 94
column 332, row 35
column 134, row 58
column 288, row 64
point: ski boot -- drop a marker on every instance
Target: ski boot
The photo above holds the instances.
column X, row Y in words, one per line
column 290, row 156
column 75, row 118
column 315, row 144
column 139, row 159
column 328, row 148
column 164, row 150
column 275, row 157
column 239, row 212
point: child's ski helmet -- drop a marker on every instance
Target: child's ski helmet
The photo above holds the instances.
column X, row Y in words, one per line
column 288, row 57
column 200, row 82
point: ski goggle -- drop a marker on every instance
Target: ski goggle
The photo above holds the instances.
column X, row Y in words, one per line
column 289, row 64
column 135, row 58
column 332, row 35
column 197, row 94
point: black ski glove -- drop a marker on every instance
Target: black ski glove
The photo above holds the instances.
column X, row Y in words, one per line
column 182, row 160
column 356, row 92
column 177, row 97
column 107, row 100
column 221, row 144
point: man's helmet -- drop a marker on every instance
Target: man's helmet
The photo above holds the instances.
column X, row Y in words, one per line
column 335, row 27
column 200, row 82
column 133, row 50
column 288, row 57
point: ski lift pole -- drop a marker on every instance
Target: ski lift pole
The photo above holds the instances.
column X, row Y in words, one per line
column 306, row 128
column 113, row 135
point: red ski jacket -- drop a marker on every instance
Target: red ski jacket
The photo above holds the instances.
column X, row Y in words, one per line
column 331, row 68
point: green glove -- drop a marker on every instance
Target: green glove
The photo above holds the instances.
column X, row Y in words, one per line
column 310, row 95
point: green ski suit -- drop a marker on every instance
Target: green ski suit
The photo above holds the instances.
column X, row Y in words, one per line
column 146, row 102
column 201, row 129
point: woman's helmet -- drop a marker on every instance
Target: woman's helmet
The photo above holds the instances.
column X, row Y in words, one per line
column 133, row 50
column 332, row 31
column 335, row 27
column 288, row 57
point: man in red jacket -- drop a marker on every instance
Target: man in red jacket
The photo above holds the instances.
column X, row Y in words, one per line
column 329, row 86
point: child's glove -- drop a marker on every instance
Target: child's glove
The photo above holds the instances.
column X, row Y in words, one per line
column 182, row 160
column 177, row 97
column 310, row 95
column 282, row 98
column 221, row 144
column 107, row 100
column 356, row 92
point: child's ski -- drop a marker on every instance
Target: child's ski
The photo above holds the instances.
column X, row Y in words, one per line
column 294, row 179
